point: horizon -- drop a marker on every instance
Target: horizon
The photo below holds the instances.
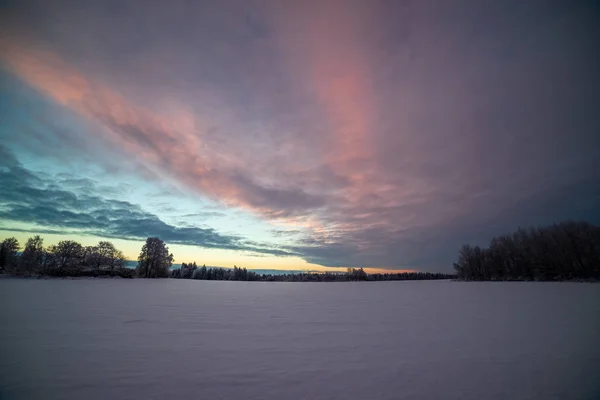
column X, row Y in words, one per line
column 313, row 135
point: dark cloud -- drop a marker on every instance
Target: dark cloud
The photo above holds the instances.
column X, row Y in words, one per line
column 435, row 247
column 35, row 231
column 280, row 201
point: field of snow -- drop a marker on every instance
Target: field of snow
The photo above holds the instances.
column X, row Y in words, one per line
column 162, row 339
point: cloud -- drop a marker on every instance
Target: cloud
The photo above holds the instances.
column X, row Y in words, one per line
column 158, row 143
column 29, row 199
column 206, row 214
column 284, row 233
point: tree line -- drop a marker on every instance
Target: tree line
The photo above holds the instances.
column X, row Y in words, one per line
column 72, row 259
column 563, row 251
column 66, row 258
column 192, row 271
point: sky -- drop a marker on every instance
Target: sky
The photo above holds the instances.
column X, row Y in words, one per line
column 310, row 134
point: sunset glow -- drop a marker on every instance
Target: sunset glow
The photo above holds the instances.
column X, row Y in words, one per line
column 300, row 135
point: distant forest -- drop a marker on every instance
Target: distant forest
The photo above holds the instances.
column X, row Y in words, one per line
column 69, row 258
column 564, row 251
column 191, row 271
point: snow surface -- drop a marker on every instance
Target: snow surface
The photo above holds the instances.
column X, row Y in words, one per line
column 161, row 339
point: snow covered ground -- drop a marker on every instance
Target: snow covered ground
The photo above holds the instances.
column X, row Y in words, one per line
column 161, row 339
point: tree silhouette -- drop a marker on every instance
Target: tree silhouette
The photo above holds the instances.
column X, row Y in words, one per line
column 105, row 255
column 154, row 260
column 32, row 258
column 66, row 254
column 8, row 254
column 567, row 250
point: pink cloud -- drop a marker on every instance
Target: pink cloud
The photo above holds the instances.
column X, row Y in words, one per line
column 172, row 145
